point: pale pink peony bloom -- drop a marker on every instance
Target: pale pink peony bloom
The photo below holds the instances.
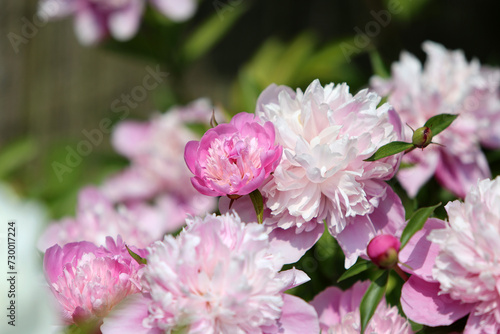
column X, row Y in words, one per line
column 217, row 276
column 234, row 158
column 158, row 172
column 88, row 281
column 96, row 19
column 338, row 313
column 326, row 133
column 459, row 271
column 446, row 84
column 139, row 224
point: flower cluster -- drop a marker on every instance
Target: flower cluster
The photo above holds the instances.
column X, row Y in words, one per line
column 447, row 84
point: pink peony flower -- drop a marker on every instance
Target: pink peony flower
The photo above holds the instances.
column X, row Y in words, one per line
column 338, row 312
column 234, row 158
column 88, row 281
column 138, row 224
column 455, row 271
column 383, row 250
column 326, row 133
column 447, row 84
column 96, row 19
column 158, row 172
column 217, row 276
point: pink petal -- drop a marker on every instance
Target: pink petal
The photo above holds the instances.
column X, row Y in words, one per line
column 131, row 138
column 294, row 277
column 176, row 10
column 327, row 305
column 124, row 23
column 293, row 246
column 419, row 254
column 271, row 95
column 459, row 177
column 90, row 28
column 127, row 317
column 422, row 303
column 481, row 324
column 413, row 178
column 297, row 317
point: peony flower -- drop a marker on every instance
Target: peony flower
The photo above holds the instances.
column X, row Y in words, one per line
column 217, row 276
column 138, row 224
column 96, row 19
column 88, row 281
column 158, row 172
column 338, row 312
column 326, row 134
column 446, row 84
column 456, row 270
column 234, row 158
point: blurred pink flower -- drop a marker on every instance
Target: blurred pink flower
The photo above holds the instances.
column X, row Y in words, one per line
column 338, row 312
column 217, row 276
column 138, row 224
column 447, row 84
column 88, row 281
column 234, row 158
column 456, row 271
column 158, row 172
column 326, row 133
column 96, row 19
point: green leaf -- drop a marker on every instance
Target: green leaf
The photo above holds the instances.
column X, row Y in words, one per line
column 415, row 327
column 372, row 298
column 378, row 65
column 416, row 223
column 389, row 149
column 439, row 122
column 137, row 257
column 212, row 30
column 17, row 154
column 258, row 204
column 358, row 268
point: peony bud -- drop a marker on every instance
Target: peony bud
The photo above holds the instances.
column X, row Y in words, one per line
column 383, row 250
column 422, row 137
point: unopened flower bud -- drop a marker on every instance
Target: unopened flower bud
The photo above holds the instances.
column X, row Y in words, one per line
column 383, row 251
column 422, row 137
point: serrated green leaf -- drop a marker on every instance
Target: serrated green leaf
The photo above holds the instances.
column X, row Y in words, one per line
column 390, row 149
column 356, row 269
column 416, row 222
column 258, row 204
column 136, row 257
column 439, row 122
column 372, row 298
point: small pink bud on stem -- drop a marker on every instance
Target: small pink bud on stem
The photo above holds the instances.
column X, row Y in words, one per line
column 383, row 251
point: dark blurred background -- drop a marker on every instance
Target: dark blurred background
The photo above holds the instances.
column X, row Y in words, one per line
column 52, row 88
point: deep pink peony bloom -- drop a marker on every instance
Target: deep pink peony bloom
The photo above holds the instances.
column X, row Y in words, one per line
column 446, row 84
column 96, row 19
column 383, row 250
column 139, row 224
column 338, row 312
column 234, row 158
column 158, row 172
column 326, row 133
column 88, row 281
column 217, row 276
column 455, row 269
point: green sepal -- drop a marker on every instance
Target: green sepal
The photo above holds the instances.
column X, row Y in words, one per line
column 359, row 267
column 416, row 222
column 258, row 204
column 372, row 298
column 439, row 122
column 137, row 257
